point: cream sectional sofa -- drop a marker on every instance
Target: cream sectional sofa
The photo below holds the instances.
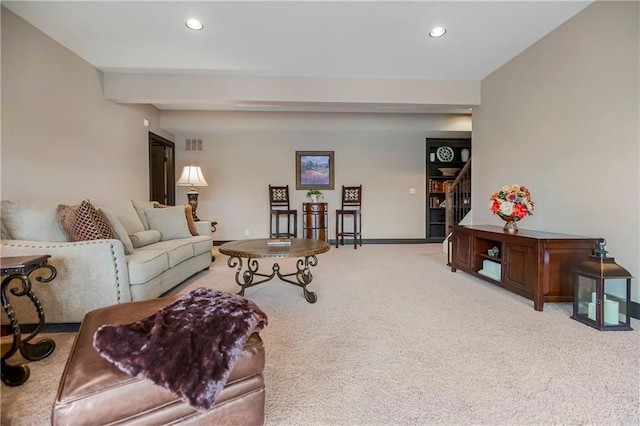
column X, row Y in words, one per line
column 153, row 252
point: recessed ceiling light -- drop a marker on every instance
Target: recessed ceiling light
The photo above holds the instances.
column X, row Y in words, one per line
column 194, row 24
column 437, row 32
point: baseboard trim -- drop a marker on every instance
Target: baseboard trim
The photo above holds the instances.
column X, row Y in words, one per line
column 66, row 327
column 364, row 241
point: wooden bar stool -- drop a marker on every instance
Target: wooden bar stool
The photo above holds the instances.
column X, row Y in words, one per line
column 351, row 206
column 279, row 203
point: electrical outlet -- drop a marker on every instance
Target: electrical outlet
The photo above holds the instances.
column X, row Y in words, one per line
column 412, row 191
column 247, row 232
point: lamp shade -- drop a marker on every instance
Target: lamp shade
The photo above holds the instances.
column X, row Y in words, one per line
column 192, row 176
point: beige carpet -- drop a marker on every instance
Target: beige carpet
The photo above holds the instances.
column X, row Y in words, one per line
column 397, row 339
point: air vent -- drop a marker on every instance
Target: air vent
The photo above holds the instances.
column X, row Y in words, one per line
column 193, row 144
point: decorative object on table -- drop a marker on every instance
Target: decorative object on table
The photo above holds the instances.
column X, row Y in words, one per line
column 512, row 203
column 279, row 242
column 449, row 171
column 314, row 170
column 493, row 251
column 315, row 195
column 192, row 176
column 464, row 155
column 602, row 291
column 444, row 154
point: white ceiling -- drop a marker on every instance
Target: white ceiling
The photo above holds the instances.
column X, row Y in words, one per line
column 322, row 39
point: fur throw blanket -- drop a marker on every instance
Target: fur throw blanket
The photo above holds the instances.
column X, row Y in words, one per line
column 189, row 347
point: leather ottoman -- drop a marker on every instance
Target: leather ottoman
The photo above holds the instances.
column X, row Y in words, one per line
column 93, row 391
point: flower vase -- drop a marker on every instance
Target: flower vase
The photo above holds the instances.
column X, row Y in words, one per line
column 511, row 225
column 314, row 198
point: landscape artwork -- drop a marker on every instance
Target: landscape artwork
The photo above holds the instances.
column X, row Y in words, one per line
column 314, row 170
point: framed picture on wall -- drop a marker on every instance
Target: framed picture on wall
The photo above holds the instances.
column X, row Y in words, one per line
column 314, row 170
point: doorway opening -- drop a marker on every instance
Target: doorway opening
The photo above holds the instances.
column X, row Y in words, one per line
column 162, row 170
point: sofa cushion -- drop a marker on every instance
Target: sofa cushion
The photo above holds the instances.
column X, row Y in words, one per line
column 140, row 207
column 4, row 232
column 201, row 244
column 144, row 238
column 146, row 264
column 84, row 222
column 177, row 251
column 121, row 233
column 170, row 221
column 125, row 212
column 188, row 213
column 32, row 221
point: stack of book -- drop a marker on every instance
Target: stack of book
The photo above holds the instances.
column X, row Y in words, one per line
column 277, row 242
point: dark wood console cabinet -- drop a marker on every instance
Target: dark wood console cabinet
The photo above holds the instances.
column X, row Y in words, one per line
column 534, row 264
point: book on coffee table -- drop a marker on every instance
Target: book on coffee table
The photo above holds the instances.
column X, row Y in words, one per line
column 278, row 242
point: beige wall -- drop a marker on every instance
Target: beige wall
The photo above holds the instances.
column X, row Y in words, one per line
column 563, row 119
column 74, row 144
column 245, row 152
column 61, row 140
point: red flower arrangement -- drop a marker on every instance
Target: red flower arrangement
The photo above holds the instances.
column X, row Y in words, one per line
column 513, row 202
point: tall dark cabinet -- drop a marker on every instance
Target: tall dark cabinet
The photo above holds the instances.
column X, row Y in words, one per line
column 445, row 159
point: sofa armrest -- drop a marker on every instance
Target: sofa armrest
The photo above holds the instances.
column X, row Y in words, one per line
column 90, row 275
column 204, row 227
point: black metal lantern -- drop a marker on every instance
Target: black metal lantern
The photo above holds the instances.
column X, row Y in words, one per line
column 602, row 290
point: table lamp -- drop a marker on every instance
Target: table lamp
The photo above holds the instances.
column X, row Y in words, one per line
column 192, row 176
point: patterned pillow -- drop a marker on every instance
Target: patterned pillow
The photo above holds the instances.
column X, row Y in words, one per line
column 84, row 222
column 187, row 212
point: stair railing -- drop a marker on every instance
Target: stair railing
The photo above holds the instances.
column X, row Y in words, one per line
column 458, row 197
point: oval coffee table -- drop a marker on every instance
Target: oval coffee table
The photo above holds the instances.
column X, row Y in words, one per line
column 258, row 248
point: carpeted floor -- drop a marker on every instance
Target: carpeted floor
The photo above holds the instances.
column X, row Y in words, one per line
column 397, row 339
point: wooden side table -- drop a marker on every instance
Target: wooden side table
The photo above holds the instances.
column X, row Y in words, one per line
column 316, row 220
column 19, row 268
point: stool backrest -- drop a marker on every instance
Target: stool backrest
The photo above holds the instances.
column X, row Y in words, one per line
column 351, row 197
column 279, row 197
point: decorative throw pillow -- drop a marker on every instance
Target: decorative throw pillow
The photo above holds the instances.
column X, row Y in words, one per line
column 189, row 347
column 119, row 230
column 188, row 212
column 169, row 221
column 144, row 238
column 84, row 222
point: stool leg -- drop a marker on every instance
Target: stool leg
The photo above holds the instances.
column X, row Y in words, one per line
column 355, row 231
column 337, row 234
column 295, row 225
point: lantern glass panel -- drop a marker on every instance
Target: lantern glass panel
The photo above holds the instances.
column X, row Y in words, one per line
column 615, row 303
column 587, row 297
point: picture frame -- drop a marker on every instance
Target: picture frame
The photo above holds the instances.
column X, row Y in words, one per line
column 315, row 170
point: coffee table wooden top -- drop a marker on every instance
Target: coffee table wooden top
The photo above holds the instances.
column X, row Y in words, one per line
column 258, row 248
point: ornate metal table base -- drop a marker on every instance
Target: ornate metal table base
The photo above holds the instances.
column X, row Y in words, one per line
column 19, row 268
column 303, row 275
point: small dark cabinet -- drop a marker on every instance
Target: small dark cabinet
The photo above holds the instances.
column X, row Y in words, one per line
column 444, row 156
column 534, row 264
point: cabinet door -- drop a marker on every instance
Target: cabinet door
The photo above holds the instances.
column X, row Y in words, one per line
column 461, row 247
column 519, row 268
